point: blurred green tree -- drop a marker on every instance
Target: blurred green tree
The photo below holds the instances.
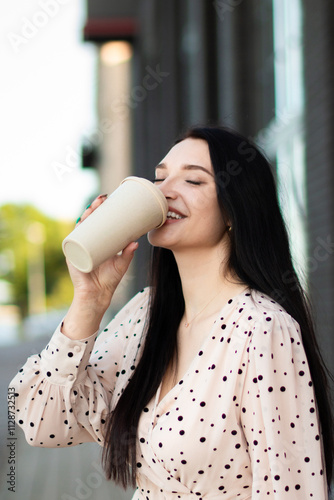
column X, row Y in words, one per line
column 19, row 241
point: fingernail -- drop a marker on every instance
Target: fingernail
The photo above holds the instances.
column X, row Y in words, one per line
column 78, row 220
column 88, row 206
column 102, row 196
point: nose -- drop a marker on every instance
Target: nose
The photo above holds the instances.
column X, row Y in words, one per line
column 168, row 188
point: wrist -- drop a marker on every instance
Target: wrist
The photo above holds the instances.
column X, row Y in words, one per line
column 84, row 317
column 91, row 301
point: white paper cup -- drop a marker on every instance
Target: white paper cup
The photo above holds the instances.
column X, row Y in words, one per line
column 136, row 207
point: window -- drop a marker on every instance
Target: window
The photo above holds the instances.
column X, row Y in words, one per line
column 283, row 138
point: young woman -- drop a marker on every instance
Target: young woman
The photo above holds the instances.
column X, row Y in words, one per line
column 208, row 384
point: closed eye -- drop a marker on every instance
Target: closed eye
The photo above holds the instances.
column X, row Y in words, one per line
column 195, row 183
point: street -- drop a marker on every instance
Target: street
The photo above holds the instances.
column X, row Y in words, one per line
column 29, row 473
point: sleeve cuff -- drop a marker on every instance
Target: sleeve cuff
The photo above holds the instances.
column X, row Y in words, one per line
column 64, row 360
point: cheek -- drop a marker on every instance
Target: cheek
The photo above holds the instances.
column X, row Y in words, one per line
column 213, row 220
column 202, row 202
column 206, row 205
column 210, row 226
column 205, row 200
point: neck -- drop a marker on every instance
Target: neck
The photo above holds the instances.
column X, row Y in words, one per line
column 204, row 278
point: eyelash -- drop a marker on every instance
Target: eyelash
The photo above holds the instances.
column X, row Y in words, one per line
column 195, row 183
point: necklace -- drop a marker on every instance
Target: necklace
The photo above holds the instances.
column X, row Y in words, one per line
column 187, row 323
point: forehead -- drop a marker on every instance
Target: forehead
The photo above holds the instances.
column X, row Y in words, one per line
column 189, row 151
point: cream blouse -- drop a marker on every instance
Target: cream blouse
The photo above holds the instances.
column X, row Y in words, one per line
column 241, row 424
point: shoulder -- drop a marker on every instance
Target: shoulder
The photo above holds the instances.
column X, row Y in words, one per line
column 265, row 309
column 273, row 327
column 263, row 318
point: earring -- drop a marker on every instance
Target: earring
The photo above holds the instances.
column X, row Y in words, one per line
column 230, row 228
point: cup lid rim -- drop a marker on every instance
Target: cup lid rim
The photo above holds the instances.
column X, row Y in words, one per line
column 157, row 193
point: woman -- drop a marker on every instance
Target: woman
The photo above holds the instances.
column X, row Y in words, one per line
column 208, row 384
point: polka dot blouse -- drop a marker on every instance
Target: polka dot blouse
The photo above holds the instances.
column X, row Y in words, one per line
column 241, row 424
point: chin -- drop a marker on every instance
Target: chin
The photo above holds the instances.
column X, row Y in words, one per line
column 156, row 239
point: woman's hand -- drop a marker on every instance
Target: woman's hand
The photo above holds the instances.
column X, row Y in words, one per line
column 103, row 281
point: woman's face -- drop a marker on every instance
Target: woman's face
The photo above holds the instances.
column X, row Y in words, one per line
column 186, row 178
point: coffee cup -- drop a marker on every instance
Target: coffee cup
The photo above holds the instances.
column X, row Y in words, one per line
column 136, row 207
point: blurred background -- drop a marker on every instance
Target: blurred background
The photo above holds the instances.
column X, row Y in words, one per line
column 93, row 91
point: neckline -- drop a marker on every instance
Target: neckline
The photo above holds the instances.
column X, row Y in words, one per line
column 158, row 403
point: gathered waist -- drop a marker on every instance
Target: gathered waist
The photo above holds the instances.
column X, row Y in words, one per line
column 157, row 494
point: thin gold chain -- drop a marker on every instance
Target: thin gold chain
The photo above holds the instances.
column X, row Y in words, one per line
column 187, row 323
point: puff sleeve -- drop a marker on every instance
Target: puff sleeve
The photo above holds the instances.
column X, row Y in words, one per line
column 64, row 394
column 279, row 414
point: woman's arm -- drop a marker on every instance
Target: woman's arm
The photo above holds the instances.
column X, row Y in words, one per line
column 279, row 414
column 64, row 394
column 61, row 397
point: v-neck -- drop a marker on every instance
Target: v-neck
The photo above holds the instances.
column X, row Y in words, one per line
column 222, row 311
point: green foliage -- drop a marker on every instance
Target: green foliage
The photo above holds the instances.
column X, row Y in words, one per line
column 17, row 246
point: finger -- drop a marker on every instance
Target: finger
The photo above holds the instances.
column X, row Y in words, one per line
column 91, row 207
column 97, row 202
column 130, row 248
column 127, row 255
column 124, row 260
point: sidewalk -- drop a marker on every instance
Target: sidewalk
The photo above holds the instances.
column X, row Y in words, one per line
column 59, row 474
column 44, row 473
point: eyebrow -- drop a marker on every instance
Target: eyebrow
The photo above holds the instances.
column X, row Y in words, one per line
column 187, row 167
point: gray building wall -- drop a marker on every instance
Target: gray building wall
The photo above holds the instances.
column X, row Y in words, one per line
column 215, row 70
column 319, row 128
column 214, row 61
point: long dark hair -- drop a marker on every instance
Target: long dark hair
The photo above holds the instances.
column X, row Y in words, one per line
column 260, row 256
